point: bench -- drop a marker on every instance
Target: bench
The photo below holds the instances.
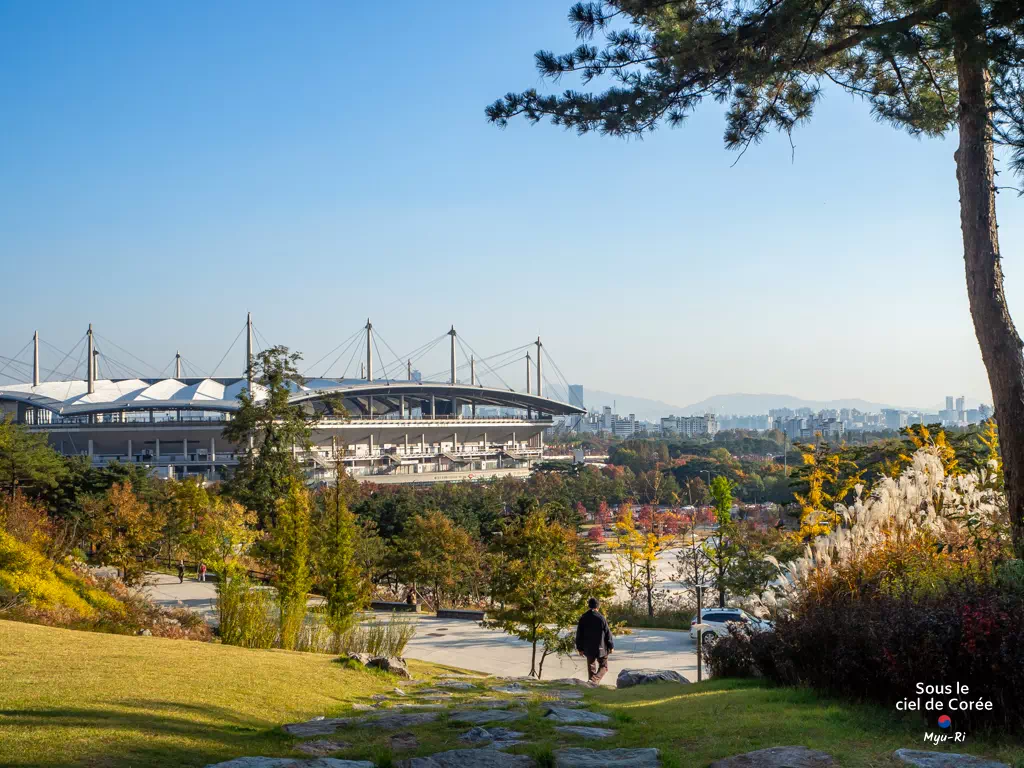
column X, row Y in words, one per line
column 461, row 613
column 378, row 605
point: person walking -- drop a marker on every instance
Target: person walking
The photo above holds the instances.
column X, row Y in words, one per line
column 594, row 641
column 181, row 571
column 202, row 571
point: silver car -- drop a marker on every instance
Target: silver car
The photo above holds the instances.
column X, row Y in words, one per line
column 715, row 623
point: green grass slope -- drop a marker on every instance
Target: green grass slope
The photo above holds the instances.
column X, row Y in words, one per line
column 80, row 698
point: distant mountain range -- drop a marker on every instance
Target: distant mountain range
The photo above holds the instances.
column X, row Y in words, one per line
column 738, row 403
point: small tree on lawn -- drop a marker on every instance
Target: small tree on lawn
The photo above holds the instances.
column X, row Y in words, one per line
column 436, row 554
column 291, row 558
column 542, row 574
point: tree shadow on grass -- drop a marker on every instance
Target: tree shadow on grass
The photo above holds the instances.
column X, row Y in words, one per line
column 138, row 733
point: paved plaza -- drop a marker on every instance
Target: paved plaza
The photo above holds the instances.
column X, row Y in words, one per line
column 464, row 644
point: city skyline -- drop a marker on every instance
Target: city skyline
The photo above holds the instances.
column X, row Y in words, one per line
column 168, row 177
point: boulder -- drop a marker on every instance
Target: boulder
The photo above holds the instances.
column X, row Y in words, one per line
column 322, row 747
column 392, row 664
column 572, row 716
column 578, row 757
column 924, row 759
column 778, row 757
column 470, row 758
column 359, row 658
column 629, row 677
column 586, row 731
column 481, row 716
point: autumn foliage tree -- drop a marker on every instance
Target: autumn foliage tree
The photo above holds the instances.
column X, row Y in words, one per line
column 438, row 556
column 926, row 66
column 125, row 532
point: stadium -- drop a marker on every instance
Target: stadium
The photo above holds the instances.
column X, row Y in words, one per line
column 407, row 430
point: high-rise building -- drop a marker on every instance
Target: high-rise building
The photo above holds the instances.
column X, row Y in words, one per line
column 949, row 402
column 895, row 419
column 690, row 426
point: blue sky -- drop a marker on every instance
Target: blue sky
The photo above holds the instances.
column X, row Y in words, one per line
column 167, row 166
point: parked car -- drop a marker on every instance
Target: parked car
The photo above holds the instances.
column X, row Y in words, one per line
column 715, row 623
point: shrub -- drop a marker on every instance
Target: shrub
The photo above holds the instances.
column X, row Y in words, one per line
column 378, row 638
column 732, row 655
column 247, row 614
column 879, row 648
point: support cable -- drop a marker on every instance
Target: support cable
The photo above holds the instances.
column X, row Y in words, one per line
column 66, row 356
column 240, row 332
column 14, row 359
column 352, row 340
column 111, row 343
column 342, row 344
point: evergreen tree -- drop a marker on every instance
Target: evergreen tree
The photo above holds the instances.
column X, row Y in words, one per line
column 269, row 430
column 339, row 574
column 927, row 66
column 27, row 461
column 290, row 557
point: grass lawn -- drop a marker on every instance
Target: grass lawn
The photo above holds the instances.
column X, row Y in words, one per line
column 76, row 698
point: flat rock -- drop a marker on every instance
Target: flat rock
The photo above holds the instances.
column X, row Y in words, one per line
column 414, row 708
column 924, row 759
column 287, row 762
column 578, row 757
column 404, row 741
column 586, row 731
column 322, row 747
column 481, row 716
column 458, row 676
column 569, row 681
column 498, row 735
column 392, row 722
column 318, row 726
column 434, row 697
column 629, row 677
column 457, row 685
column 392, row 664
column 363, row 707
column 470, row 758
column 516, row 689
column 778, row 757
column 565, row 694
column 571, row 716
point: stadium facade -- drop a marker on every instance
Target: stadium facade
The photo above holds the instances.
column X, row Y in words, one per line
column 390, row 430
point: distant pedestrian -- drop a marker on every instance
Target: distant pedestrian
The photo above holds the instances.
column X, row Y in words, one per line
column 594, row 641
column 202, row 571
column 181, row 571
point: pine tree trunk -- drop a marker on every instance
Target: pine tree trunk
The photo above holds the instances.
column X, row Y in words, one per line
column 998, row 338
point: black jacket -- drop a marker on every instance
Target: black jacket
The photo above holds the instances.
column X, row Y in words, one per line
column 593, row 637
